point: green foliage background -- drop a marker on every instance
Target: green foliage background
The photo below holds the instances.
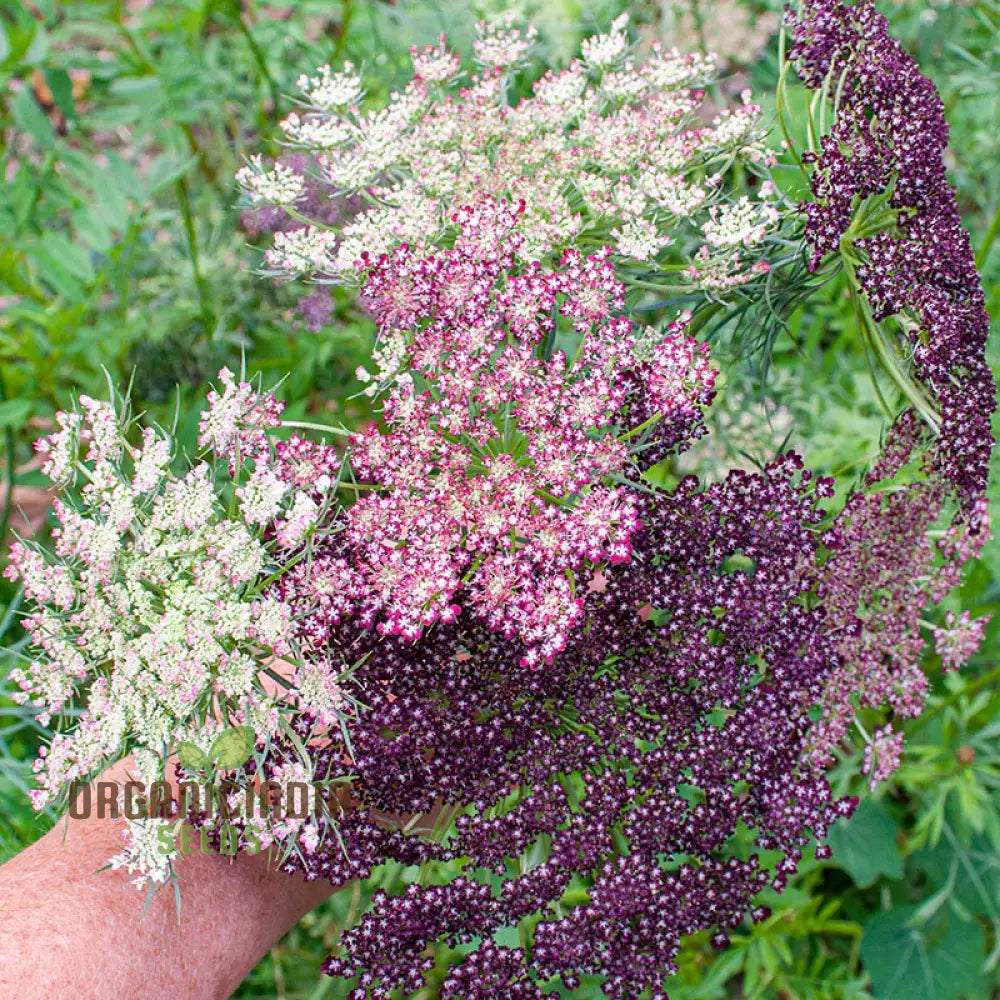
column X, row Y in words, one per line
column 122, row 125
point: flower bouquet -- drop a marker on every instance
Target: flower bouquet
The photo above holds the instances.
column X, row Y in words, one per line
column 592, row 697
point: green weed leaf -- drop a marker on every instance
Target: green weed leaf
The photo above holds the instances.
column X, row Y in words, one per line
column 940, row 960
column 232, row 747
column 192, row 756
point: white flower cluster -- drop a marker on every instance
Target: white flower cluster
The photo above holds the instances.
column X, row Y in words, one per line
column 332, row 91
column 607, row 150
column 278, row 186
column 744, row 223
column 435, row 64
column 154, row 617
column 605, row 51
column 302, row 251
column 503, row 46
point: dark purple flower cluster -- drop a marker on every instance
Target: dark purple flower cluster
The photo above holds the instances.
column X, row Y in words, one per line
column 890, row 134
column 916, row 265
column 618, row 798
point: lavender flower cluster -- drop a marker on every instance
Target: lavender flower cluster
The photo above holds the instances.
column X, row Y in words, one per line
column 614, row 703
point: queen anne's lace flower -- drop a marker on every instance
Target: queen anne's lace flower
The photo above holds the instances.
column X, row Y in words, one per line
column 331, row 91
column 278, row 186
column 497, row 471
column 503, row 45
column 606, row 683
column 580, row 154
column 153, row 613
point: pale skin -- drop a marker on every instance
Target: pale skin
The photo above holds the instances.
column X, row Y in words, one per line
column 69, row 930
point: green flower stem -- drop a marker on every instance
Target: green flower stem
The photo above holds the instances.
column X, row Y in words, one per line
column 304, row 219
column 275, row 676
column 645, row 425
column 780, row 96
column 884, row 349
column 552, row 498
column 8, row 501
column 325, row 428
column 204, row 303
column 869, row 359
column 262, row 66
column 654, row 286
column 989, row 239
column 277, row 574
column 703, row 316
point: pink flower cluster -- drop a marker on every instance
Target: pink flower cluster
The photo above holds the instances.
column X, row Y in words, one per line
column 512, row 398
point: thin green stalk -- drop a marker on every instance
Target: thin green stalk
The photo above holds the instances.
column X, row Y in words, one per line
column 347, row 12
column 655, row 286
column 305, row 220
column 360, row 486
column 199, row 279
column 873, row 375
column 869, row 360
column 326, row 428
column 785, row 65
column 8, row 501
column 277, row 574
column 812, row 132
column 886, row 352
column 237, row 467
column 989, row 239
column 645, row 425
column 208, row 170
column 275, row 676
column 702, row 317
column 262, row 66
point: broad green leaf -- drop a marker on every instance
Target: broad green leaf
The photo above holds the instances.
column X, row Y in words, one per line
column 54, row 273
column 92, row 229
column 62, row 91
column 26, row 39
column 72, row 257
column 232, row 747
column 111, row 117
column 39, row 45
column 971, row 873
column 164, row 170
column 128, row 180
column 14, row 412
column 91, row 185
column 21, row 194
column 30, row 118
column 940, row 960
column 865, row 845
column 112, row 207
column 192, row 756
